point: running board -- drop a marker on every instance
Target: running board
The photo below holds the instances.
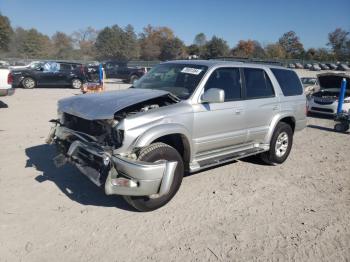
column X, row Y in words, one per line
column 226, row 158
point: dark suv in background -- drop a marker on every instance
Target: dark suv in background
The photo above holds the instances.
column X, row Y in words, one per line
column 49, row 73
column 118, row 69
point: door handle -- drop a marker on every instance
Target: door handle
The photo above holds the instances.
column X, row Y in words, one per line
column 275, row 107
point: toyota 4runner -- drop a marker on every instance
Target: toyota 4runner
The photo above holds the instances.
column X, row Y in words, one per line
column 183, row 116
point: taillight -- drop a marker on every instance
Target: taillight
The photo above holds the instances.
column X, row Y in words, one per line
column 10, row 78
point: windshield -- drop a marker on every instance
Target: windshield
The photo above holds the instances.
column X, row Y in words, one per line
column 178, row 79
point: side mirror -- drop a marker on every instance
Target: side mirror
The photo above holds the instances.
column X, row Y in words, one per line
column 213, row 95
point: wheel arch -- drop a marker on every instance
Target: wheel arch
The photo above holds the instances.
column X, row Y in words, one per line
column 286, row 118
column 173, row 135
column 27, row 76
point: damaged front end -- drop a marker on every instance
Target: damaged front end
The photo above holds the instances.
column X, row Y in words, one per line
column 91, row 146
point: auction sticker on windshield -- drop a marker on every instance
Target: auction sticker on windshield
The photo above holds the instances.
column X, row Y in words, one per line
column 192, row 71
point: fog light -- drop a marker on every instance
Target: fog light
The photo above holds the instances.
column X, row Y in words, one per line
column 124, row 182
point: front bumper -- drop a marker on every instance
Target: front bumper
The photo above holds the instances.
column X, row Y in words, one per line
column 329, row 109
column 119, row 175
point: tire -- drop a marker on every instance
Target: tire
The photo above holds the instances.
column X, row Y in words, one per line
column 77, row 83
column 280, row 145
column 28, row 83
column 133, row 78
column 341, row 127
column 153, row 153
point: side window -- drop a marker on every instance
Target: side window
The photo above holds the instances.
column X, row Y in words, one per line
column 257, row 83
column 227, row 79
column 288, row 81
column 51, row 67
column 65, row 67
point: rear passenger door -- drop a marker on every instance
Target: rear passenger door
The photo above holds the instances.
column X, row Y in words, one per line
column 261, row 103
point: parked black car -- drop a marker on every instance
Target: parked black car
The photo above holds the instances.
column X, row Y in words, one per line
column 117, row 69
column 49, row 73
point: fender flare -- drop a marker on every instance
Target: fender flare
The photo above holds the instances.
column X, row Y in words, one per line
column 163, row 130
column 274, row 123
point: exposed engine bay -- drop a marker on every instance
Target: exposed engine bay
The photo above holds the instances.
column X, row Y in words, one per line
column 106, row 132
column 330, row 94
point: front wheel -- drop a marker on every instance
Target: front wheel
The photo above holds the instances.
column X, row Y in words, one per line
column 280, row 145
column 154, row 153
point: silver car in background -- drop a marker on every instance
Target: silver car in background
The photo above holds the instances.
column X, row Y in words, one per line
column 181, row 117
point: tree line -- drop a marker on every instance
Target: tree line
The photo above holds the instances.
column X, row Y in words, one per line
column 157, row 43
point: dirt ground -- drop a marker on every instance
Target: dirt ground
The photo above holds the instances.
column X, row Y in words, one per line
column 243, row 211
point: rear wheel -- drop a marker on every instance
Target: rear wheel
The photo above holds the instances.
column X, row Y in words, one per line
column 341, row 127
column 280, row 145
column 28, row 83
column 76, row 83
column 153, row 153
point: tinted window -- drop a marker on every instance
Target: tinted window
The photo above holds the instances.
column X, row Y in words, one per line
column 227, row 79
column 288, row 81
column 65, row 67
column 257, row 83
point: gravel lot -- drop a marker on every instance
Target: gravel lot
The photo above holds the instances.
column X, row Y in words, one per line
column 244, row 211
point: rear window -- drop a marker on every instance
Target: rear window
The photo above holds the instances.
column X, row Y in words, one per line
column 288, row 81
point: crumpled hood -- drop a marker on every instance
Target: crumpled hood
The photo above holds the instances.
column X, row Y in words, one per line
column 104, row 105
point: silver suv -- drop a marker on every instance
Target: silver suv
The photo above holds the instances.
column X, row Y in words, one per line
column 182, row 116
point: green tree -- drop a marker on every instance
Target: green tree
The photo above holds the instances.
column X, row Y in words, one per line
column 291, row 44
column 339, row 42
column 117, row 43
column 275, row 51
column 30, row 44
column 5, row 33
column 193, row 50
column 63, row 45
column 320, row 54
column 172, row 49
column 216, row 47
column 200, row 39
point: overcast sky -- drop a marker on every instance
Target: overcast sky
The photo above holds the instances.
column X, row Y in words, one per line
column 264, row 20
